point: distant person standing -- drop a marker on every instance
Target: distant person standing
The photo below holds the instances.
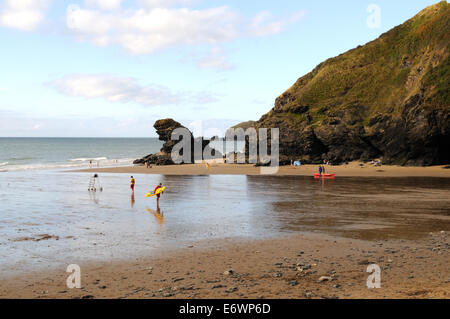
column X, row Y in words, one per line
column 132, row 183
column 320, row 170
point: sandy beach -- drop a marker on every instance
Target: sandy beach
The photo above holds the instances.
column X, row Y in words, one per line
column 231, row 236
column 354, row 169
column 300, row 266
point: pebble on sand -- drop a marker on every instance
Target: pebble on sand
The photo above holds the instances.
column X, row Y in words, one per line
column 325, row 278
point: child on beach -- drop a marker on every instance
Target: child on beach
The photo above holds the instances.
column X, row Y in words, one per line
column 132, row 183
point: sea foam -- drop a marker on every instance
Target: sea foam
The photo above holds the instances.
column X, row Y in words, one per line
column 86, row 159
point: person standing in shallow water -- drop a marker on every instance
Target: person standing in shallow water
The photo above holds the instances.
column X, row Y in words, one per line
column 158, row 195
column 132, row 183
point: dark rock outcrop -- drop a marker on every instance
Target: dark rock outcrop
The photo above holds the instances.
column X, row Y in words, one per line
column 387, row 99
column 164, row 129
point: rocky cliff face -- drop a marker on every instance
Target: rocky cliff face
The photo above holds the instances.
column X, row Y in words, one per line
column 387, row 99
column 164, row 129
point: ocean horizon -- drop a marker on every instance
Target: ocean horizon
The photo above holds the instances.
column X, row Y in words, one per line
column 31, row 153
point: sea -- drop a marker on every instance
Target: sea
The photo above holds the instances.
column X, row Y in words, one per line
column 50, row 153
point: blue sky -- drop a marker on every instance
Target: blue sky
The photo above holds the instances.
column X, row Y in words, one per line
column 110, row 68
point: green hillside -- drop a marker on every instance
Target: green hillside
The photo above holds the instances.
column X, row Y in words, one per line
column 388, row 99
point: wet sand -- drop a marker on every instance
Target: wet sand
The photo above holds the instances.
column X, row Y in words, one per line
column 297, row 238
column 353, row 169
column 300, row 266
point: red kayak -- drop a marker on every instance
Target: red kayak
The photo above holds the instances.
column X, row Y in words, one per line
column 330, row 176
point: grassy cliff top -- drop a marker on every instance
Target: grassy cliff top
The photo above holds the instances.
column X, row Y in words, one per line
column 379, row 77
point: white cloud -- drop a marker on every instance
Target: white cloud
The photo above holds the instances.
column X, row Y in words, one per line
column 124, row 89
column 104, row 4
column 152, row 28
column 263, row 23
column 145, row 31
column 25, row 15
column 114, row 89
column 215, row 60
column 13, row 123
column 164, row 3
column 203, row 98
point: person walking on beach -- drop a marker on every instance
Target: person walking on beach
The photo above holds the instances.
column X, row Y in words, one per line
column 157, row 195
column 132, row 183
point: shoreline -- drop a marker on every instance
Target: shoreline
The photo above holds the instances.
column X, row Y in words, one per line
column 353, row 169
column 302, row 265
column 297, row 266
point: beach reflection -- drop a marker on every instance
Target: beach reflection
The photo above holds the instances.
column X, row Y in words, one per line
column 203, row 207
column 133, row 200
column 94, row 197
column 159, row 216
column 368, row 208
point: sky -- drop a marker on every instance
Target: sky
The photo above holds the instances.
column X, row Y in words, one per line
column 111, row 68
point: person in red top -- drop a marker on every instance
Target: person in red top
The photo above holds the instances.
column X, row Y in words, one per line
column 158, row 195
